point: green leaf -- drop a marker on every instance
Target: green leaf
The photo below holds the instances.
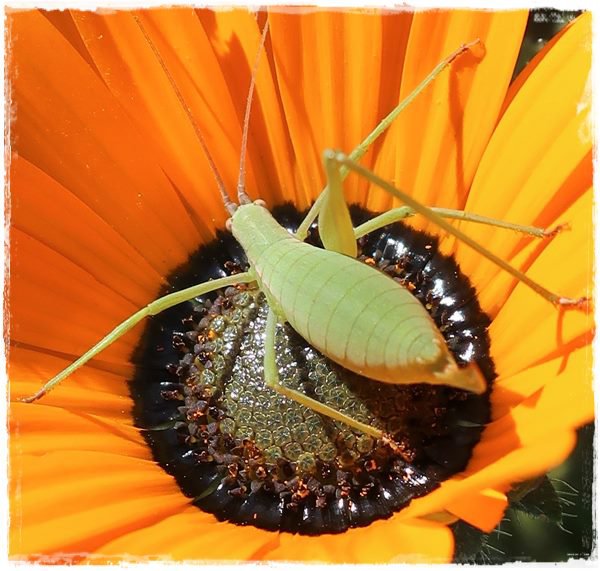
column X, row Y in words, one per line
column 469, row 542
column 537, row 498
column 475, row 547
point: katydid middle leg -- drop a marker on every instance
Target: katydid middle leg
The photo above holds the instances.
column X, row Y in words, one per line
column 558, row 300
column 403, row 212
column 152, row 308
column 335, row 225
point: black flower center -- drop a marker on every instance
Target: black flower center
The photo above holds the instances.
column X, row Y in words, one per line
column 251, row 456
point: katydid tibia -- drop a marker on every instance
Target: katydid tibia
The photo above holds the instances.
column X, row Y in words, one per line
column 352, row 313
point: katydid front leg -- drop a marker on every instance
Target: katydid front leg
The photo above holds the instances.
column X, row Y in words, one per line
column 364, row 146
column 152, row 308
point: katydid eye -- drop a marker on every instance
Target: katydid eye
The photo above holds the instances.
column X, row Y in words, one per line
column 249, row 455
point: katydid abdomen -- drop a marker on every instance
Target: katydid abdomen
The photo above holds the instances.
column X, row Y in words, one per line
column 351, row 312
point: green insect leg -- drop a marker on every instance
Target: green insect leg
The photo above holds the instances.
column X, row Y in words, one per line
column 364, row 146
column 402, row 212
column 272, row 380
column 335, row 225
column 558, row 300
column 152, row 308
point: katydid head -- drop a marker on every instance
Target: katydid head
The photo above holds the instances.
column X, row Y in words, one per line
column 239, row 207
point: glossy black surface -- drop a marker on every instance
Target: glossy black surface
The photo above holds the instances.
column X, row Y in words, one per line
column 453, row 304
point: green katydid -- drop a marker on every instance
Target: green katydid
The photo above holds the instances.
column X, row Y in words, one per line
column 381, row 330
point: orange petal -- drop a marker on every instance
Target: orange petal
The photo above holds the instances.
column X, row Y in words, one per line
column 62, row 20
column 542, row 142
column 37, row 428
column 569, row 375
column 352, row 61
column 70, row 126
column 515, row 447
column 89, row 389
column 38, row 203
column 190, row 535
column 130, row 50
column 482, row 509
column 233, row 34
column 543, row 331
column 564, row 402
column 433, row 149
column 524, row 74
column 383, row 541
column 519, row 464
column 42, row 302
column 98, row 497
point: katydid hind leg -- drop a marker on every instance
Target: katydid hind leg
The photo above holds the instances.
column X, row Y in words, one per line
column 272, row 380
column 153, row 308
column 582, row 303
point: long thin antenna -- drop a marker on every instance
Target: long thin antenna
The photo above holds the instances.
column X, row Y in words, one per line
column 227, row 202
column 243, row 197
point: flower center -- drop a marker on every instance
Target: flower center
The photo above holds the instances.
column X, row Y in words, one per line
column 251, row 456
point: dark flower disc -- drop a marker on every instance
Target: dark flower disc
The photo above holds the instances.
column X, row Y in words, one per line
column 248, row 455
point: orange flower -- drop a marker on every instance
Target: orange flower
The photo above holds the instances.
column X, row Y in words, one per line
column 110, row 191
